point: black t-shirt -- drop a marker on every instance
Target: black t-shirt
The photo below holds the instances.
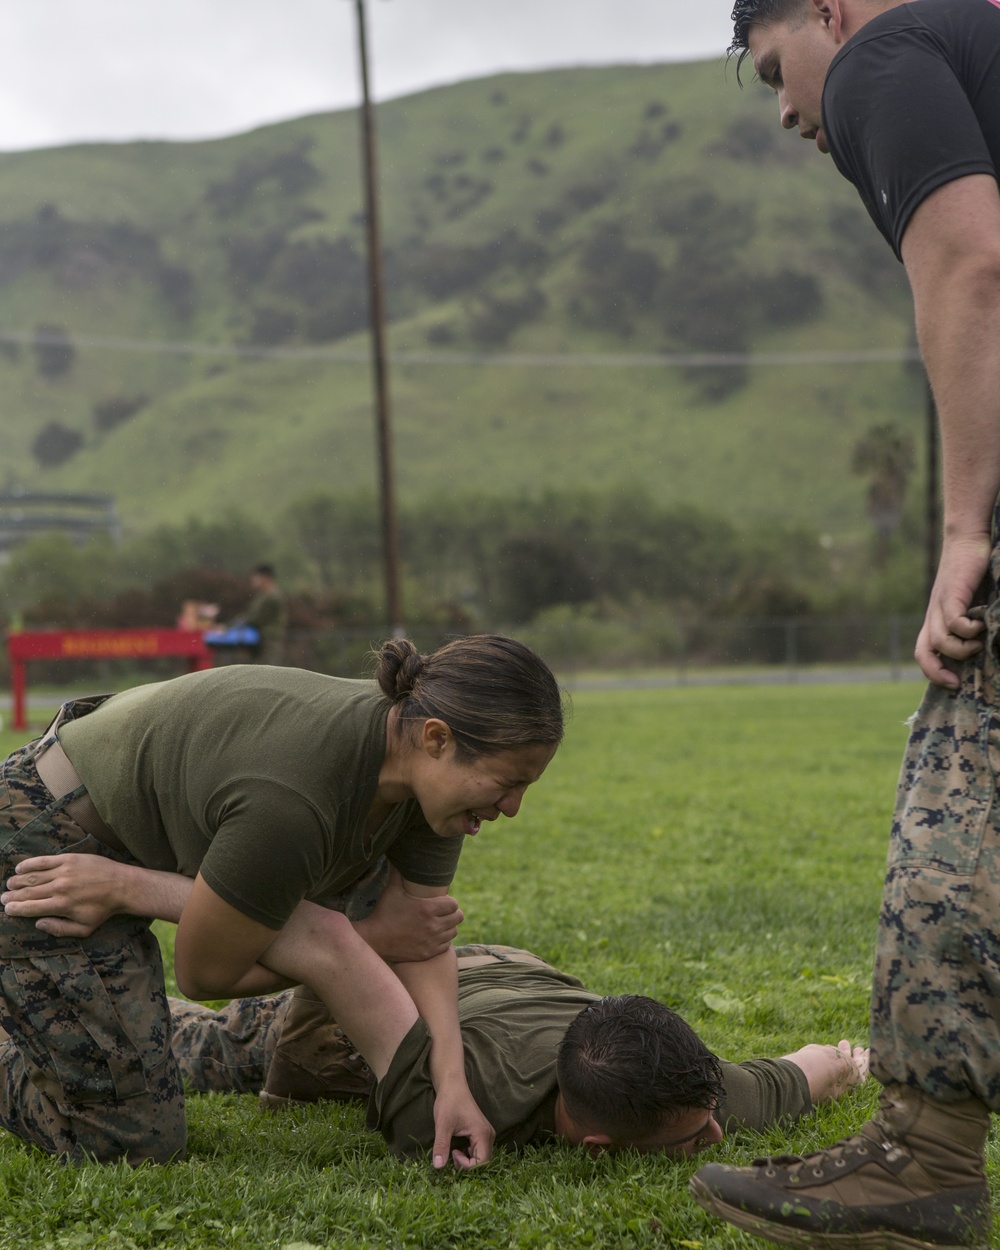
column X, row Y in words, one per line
column 912, row 102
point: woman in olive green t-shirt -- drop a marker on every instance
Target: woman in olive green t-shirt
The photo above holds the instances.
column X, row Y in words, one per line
column 235, row 798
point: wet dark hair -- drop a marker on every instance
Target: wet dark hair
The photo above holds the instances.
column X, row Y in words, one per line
column 265, row 570
column 492, row 692
column 628, row 1062
column 749, row 13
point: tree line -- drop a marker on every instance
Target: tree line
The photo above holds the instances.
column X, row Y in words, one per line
column 470, row 562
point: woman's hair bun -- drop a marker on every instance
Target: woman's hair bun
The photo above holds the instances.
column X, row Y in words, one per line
column 399, row 665
column 493, row 692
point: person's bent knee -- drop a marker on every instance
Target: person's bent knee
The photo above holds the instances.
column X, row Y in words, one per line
column 150, row 1128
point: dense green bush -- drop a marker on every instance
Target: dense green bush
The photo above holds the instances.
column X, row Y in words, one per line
column 55, row 443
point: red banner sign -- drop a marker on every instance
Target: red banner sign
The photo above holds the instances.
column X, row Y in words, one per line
column 97, row 644
column 101, row 644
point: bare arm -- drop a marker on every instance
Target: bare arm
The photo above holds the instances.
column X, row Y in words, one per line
column 74, row 894
column 433, row 986
column 220, row 953
column 322, row 949
column 951, row 251
column 217, row 949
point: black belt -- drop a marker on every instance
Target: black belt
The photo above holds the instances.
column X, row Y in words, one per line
column 60, row 777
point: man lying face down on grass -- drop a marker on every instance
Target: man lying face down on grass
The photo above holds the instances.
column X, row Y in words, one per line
column 545, row 1059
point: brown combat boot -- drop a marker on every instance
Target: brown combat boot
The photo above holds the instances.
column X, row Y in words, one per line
column 314, row 1061
column 912, row 1179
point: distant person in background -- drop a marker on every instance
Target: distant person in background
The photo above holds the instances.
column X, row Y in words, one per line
column 267, row 614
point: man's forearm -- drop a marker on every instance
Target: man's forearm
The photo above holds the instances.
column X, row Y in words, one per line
column 951, row 250
column 321, row 949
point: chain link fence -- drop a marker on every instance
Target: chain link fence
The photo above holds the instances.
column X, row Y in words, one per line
column 581, row 649
column 682, row 647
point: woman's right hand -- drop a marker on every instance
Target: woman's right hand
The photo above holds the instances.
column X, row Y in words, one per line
column 72, row 895
column 404, row 928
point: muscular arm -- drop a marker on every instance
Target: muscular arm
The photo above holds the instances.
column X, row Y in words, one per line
column 951, row 251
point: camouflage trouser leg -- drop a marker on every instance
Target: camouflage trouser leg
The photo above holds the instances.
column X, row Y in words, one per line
column 936, row 994
column 87, row 1072
column 227, row 1051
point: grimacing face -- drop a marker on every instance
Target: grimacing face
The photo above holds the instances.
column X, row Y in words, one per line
column 792, row 58
column 456, row 797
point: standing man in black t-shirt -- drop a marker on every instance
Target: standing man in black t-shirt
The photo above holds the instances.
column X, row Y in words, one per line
column 906, row 99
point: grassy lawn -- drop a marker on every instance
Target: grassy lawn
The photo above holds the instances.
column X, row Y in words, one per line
column 720, row 849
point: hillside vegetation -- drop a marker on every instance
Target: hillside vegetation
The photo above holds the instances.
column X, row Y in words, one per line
column 591, row 212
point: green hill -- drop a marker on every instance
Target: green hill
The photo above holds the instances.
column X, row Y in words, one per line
column 575, row 213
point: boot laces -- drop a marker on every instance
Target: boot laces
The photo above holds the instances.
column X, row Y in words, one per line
column 820, row 1163
column 356, row 1062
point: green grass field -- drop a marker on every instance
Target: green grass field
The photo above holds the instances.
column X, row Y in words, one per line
column 720, row 849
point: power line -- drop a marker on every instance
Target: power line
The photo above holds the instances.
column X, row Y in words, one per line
column 519, row 360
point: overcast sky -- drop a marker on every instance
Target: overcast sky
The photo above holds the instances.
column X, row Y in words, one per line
column 74, row 70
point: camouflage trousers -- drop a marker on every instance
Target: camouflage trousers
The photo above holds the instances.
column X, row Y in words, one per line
column 87, row 1070
column 229, row 1051
column 935, row 1020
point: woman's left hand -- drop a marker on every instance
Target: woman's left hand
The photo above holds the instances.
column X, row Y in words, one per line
column 410, row 928
column 457, row 1114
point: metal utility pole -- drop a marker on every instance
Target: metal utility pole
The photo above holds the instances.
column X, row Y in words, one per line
column 933, row 504
column 387, row 469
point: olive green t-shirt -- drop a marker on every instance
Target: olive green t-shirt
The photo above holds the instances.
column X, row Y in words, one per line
column 260, row 778
column 513, row 1017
